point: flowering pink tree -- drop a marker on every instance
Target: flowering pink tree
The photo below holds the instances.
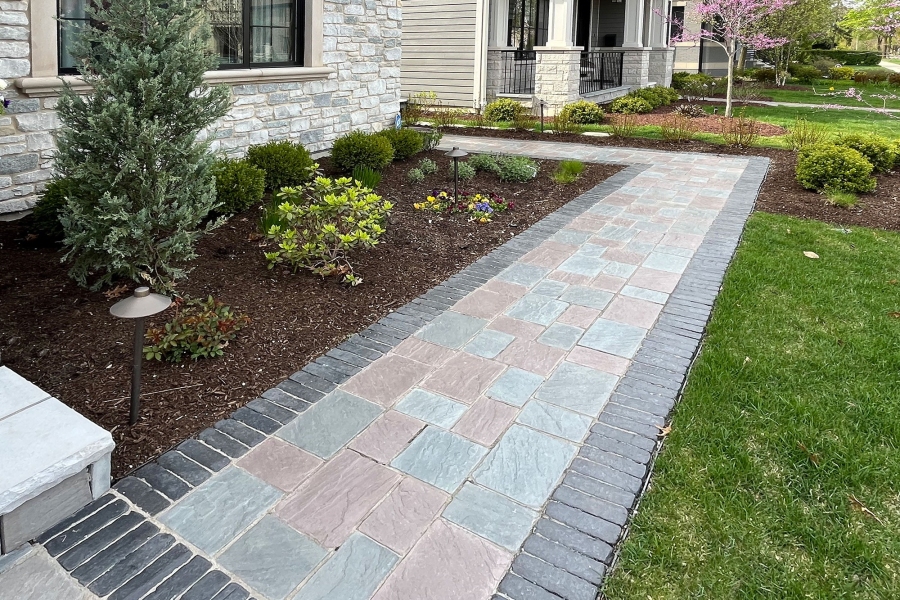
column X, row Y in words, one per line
column 730, row 23
column 886, row 25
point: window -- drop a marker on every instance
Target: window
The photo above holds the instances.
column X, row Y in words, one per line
column 72, row 18
column 677, row 22
column 528, row 23
column 245, row 33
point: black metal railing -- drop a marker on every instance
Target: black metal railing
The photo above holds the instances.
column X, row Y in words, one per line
column 600, row 71
column 517, row 71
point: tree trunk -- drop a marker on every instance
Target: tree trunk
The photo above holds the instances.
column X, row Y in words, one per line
column 729, row 50
column 742, row 58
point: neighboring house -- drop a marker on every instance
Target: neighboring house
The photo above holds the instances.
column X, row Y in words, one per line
column 701, row 56
column 306, row 70
column 555, row 51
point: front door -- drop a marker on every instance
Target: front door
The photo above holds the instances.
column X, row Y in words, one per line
column 583, row 24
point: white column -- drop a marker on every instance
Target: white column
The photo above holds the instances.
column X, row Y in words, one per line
column 658, row 23
column 499, row 24
column 561, row 24
column 634, row 24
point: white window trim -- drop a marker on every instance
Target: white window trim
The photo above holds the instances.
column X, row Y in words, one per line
column 46, row 81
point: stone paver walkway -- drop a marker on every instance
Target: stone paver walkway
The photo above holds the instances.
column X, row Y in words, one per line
column 490, row 439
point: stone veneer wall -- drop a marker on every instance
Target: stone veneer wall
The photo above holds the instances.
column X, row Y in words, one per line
column 494, row 73
column 557, row 77
column 361, row 43
column 636, row 67
column 660, row 66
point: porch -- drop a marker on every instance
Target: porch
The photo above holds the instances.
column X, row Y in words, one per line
column 558, row 51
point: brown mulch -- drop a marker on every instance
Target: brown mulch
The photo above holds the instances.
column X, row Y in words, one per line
column 780, row 192
column 707, row 124
column 63, row 339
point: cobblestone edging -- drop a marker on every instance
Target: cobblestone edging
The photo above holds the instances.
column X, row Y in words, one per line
column 118, row 551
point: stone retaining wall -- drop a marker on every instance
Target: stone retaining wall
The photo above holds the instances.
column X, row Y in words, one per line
column 361, row 43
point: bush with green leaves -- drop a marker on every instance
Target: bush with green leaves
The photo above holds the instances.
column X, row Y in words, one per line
column 841, row 73
column 656, row 96
column 582, row 112
column 630, row 105
column 359, row 148
column 805, row 73
column 431, row 139
column 427, row 166
column 568, row 171
column 368, row 178
column 199, row 329
column 830, row 167
column 806, row 133
column 284, row 162
column 415, row 176
column 878, row 150
column 45, row 216
column 466, row 171
column 239, row 185
column 517, row 169
column 504, row 109
column 142, row 185
column 405, row 142
column 894, row 79
column 823, row 65
column 766, row 75
column 486, row 163
column 326, row 221
column 681, row 79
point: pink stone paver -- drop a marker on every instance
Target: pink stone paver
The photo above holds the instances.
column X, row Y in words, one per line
column 388, row 436
column 483, row 304
column 516, row 327
column 624, row 256
column 464, row 377
column 579, row 316
column 424, row 352
column 406, row 513
column 336, row 499
column 448, row 563
column 651, row 279
column 598, row 360
column 531, row 356
column 387, row 379
column 682, row 240
column 632, row 311
column 486, row 421
column 570, row 278
column 505, row 288
column 608, row 283
column 280, row 464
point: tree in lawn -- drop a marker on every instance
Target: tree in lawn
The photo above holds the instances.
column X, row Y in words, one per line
column 141, row 184
column 730, row 23
column 802, row 24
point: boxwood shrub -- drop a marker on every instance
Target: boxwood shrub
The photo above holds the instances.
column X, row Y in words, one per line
column 878, row 150
column 830, row 167
column 239, row 185
column 630, row 105
column 45, row 216
column 358, row 148
column 503, row 109
column 582, row 112
column 405, row 142
column 285, row 163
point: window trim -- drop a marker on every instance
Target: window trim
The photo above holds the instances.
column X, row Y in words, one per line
column 299, row 42
column 46, row 81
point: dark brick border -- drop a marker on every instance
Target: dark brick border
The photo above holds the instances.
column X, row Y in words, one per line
column 118, row 552
column 576, row 541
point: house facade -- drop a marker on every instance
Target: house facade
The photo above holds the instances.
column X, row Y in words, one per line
column 552, row 51
column 305, row 70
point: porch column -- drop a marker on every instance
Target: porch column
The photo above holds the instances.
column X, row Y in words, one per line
column 634, row 24
column 560, row 25
column 658, row 24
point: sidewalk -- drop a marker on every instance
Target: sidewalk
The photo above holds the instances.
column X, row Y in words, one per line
column 488, row 440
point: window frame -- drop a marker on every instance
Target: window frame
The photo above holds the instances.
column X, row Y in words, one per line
column 297, row 27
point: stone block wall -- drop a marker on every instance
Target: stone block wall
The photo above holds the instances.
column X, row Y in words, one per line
column 494, row 73
column 636, row 68
column 557, row 77
column 660, row 66
column 361, row 43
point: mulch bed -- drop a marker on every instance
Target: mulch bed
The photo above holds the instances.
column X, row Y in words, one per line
column 707, row 124
column 780, row 193
column 62, row 338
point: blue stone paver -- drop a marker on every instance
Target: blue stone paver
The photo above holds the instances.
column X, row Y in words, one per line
column 440, row 458
column 215, row 513
column 374, row 478
column 331, row 423
column 491, row 516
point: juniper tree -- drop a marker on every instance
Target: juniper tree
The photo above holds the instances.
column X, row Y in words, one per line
column 141, row 182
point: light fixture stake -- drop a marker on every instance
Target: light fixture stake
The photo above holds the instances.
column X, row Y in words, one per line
column 456, row 154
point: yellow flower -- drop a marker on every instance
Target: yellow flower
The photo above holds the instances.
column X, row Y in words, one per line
column 483, row 220
column 831, row 89
column 431, row 199
column 471, row 206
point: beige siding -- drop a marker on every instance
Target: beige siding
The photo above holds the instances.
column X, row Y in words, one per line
column 439, row 44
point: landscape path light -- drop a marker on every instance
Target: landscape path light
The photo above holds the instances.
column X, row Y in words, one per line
column 456, row 154
column 141, row 305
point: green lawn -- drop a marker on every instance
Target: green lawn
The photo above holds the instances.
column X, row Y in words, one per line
column 791, row 415
column 840, row 121
column 814, row 94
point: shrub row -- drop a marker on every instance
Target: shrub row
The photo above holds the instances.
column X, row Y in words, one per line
column 846, row 164
column 851, row 57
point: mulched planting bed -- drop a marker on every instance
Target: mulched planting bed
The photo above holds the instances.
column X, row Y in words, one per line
column 780, row 192
column 63, row 339
column 708, row 124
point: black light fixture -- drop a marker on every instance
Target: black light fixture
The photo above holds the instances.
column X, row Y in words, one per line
column 456, row 154
column 141, row 305
column 541, row 102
